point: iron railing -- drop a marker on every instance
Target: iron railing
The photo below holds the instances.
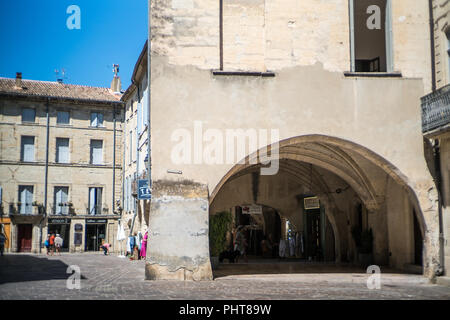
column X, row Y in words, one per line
column 436, row 109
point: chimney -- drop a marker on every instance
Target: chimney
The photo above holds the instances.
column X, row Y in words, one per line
column 116, row 84
column 19, row 79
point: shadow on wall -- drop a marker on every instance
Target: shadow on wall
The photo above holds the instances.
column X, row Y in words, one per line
column 21, row 268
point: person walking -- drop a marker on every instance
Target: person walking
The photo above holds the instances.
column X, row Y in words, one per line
column 2, row 243
column 47, row 244
column 58, row 243
column 51, row 243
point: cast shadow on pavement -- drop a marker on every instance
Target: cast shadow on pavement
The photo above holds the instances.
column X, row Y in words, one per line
column 21, row 268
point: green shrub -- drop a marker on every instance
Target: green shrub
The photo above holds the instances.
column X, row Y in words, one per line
column 219, row 224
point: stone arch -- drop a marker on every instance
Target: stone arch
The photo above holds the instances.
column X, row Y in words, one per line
column 340, row 157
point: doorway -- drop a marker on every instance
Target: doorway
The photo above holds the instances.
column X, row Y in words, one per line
column 313, row 235
column 95, row 234
column 24, row 237
column 418, row 242
column 64, row 231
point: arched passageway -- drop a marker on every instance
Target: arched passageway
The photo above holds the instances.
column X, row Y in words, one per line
column 357, row 193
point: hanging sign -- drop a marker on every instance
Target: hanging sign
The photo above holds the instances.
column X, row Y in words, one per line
column 143, row 190
column 311, row 203
column 252, row 209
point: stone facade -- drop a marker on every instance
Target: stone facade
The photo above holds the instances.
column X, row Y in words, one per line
column 292, row 66
column 135, row 216
column 87, row 114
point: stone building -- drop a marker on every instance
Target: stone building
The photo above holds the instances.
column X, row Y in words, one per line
column 325, row 99
column 60, row 163
column 135, row 211
column 436, row 122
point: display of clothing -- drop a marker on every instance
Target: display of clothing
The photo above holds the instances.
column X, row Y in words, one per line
column 292, row 246
column 282, row 248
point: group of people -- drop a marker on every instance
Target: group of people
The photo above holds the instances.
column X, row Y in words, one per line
column 137, row 246
column 53, row 243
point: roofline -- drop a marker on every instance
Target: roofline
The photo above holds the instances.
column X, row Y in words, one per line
column 55, row 98
column 132, row 86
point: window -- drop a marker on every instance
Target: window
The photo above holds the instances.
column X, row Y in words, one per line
column 62, row 150
column 61, row 200
column 130, row 148
column 27, row 149
column 95, row 200
column 63, row 117
column 370, row 22
column 96, row 119
column 26, row 199
column 96, row 152
column 28, row 115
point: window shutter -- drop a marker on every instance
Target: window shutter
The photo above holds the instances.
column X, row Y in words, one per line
column 93, row 119
column 63, row 117
column 96, row 151
column 28, row 115
column 62, row 150
column 145, row 108
column 92, row 201
column 100, row 119
column 139, row 120
column 27, row 148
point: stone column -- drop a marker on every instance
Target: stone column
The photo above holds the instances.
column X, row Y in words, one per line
column 178, row 245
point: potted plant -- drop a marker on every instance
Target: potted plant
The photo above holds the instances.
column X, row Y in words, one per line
column 219, row 224
column 364, row 245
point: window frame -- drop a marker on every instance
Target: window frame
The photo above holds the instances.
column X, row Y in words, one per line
column 57, row 154
column 34, row 115
column 91, row 153
column 68, row 118
column 97, row 120
column 22, row 149
column 388, row 38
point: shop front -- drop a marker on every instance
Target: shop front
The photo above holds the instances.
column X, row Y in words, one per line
column 5, row 228
column 60, row 226
column 95, row 234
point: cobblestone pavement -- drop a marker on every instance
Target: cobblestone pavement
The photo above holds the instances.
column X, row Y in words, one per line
column 30, row 276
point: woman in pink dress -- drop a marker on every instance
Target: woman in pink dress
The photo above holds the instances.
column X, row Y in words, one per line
column 144, row 245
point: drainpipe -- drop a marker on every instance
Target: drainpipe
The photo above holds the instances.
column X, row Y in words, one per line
column 433, row 54
column 437, row 164
column 114, row 161
column 45, row 177
column 137, row 164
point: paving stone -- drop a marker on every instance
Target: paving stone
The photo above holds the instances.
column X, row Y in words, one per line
column 32, row 276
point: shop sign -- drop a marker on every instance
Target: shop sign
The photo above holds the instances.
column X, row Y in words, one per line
column 78, row 227
column 98, row 221
column 59, row 221
column 311, row 203
column 252, row 209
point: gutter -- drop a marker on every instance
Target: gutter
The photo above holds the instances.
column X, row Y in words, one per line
column 437, row 163
column 433, row 53
column 45, row 177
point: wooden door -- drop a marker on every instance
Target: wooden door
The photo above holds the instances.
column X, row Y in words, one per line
column 24, row 237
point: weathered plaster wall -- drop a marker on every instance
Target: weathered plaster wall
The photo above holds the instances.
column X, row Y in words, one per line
column 179, row 246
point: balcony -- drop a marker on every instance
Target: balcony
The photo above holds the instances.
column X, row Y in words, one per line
column 436, row 111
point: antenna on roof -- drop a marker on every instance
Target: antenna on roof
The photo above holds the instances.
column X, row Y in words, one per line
column 60, row 75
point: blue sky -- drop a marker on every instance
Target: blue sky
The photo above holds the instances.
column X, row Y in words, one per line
column 35, row 40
